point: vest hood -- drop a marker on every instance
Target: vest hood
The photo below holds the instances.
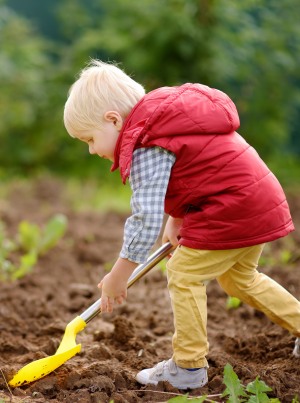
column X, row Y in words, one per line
column 171, row 111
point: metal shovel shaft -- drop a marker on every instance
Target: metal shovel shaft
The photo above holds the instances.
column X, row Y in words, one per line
column 139, row 272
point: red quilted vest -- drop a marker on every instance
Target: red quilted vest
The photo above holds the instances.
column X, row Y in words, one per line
column 226, row 194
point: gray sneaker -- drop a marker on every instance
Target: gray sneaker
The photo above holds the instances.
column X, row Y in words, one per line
column 296, row 351
column 178, row 377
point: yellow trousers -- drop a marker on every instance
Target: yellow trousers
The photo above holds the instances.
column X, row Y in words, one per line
column 235, row 271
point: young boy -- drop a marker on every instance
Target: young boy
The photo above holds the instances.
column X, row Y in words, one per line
column 179, row 148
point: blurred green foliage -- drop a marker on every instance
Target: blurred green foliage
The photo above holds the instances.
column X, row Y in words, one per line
column 232, row 302
column 23, row 96
column 32, row 242
column 250, row 50
column 258, row 48
column 32, row 239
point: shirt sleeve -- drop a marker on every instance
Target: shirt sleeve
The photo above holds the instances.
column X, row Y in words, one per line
column 149, row 179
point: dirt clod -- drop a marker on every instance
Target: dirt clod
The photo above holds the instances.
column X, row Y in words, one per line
column 100, row 335
column 58, row 328
column 100, row 353
column 83, row 290
column 80, row 396
column 52, row 346
column 217, row 384
column 71, row 380
column 99, row 397
column 47, row 386
column 169, row 388
column 82, row 383
column 120, row 382
column 19, row 392
column 117, row 398
column 124, row 329
column 130, row 396
column 120, row 355
column 62, row 396
column 102, row 383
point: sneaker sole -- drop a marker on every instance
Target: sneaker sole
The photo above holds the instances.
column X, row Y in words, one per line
column 144, row 381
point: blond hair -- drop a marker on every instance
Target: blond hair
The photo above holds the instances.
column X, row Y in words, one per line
column 100, row 87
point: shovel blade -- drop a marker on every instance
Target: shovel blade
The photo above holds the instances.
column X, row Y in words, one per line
column 67, row 349
column 38, row 369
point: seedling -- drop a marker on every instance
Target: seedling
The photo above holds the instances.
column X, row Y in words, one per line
column 184, row 399
column 258, row 388
column 235, row 391
column 234, row 387
column 233, row 302
column 28, row 236
column 32, row 241
column 31, row 238
column 27, row 263
column 285, row 256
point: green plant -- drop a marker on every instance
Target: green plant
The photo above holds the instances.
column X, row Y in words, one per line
column 234, row 387
column 31, row 240
column 267, row 261
column 258, row 388
column 233, row 302
column 184, row 399
column 235, row 391
column 27, row 263
column 285, row 256
column 29, row 235
column 6, row 247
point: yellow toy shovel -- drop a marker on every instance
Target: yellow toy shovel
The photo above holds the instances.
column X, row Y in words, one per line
column 68, row 347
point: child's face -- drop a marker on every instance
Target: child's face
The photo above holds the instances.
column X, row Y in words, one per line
column 103, row 142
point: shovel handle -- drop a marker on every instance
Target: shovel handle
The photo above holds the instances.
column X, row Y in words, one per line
column 139, row 272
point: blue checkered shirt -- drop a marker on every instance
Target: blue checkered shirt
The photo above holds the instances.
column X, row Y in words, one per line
column 149, row 178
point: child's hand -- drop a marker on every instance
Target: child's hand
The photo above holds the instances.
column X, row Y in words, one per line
column 112, row 289
column 172, row 230
column 114, row 284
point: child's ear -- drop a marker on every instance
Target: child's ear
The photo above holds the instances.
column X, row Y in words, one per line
column 115, row 118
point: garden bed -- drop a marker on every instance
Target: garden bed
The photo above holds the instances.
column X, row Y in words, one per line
column 35, row 310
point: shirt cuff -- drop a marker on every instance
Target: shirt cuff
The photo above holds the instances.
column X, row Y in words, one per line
column 132, row 258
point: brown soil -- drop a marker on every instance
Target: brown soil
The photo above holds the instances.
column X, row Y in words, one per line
column 35, row 310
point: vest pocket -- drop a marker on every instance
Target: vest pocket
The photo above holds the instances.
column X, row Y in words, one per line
column 192, row 213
